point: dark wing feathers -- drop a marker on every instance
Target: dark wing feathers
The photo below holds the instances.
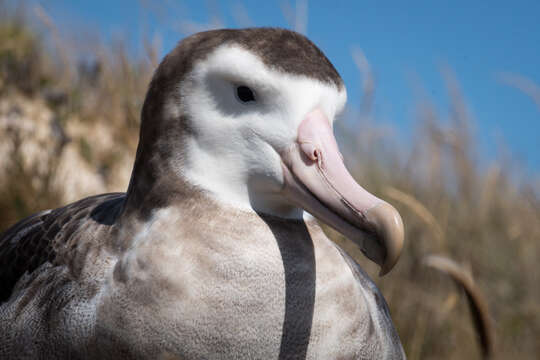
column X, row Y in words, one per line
column 35, row 240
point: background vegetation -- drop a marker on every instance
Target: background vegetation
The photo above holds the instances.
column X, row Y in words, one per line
column 69, row 128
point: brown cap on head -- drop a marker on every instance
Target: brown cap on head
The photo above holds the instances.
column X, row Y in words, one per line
column 281, row 49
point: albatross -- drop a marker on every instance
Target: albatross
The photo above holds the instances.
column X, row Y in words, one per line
column 214, row 251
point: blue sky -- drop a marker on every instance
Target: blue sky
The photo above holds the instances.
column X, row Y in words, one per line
column 404, row 41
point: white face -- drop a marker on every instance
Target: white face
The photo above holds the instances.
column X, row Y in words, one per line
column 235, row 153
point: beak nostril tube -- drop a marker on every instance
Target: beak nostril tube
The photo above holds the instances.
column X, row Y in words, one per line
column 310, row 150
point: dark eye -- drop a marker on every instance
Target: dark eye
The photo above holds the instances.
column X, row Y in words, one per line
column 245, row 94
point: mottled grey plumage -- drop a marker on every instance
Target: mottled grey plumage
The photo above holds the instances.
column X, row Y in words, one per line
column 48, row 236
column 165, row 271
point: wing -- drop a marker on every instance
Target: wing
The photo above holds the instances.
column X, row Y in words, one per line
column 376, row 304
column 34, row 241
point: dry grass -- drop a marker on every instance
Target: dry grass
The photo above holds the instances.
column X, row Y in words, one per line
column 89, row 114
column 482, row 217
column 478, row 305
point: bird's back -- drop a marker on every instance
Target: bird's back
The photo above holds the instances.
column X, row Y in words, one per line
column 46, row 295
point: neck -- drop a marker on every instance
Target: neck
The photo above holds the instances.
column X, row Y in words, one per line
column 154, row 187
column 159, row 180
column 254, row 195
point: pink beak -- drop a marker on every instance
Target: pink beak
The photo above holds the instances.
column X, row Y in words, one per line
column 317, row 180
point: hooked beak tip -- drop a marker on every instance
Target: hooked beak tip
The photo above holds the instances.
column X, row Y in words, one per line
column 390, row 231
